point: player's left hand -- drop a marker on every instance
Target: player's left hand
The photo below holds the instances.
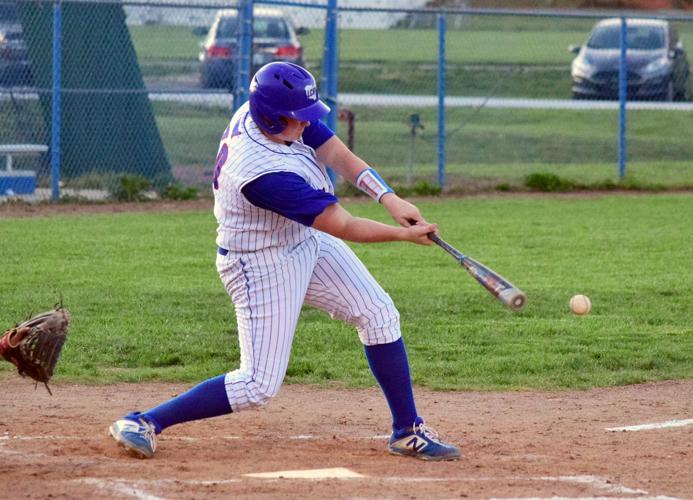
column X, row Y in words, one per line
column 403, row 212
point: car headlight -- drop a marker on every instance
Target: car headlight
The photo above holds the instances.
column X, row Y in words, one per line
column 581, row 69
column 657, row 65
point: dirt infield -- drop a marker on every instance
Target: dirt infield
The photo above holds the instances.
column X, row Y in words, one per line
column 516, row 445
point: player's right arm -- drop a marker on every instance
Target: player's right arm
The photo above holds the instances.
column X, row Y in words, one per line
column 332, row 151
column 335, row 220
column 289, row 195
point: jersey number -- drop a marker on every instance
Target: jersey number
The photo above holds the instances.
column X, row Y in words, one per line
column 221, row 159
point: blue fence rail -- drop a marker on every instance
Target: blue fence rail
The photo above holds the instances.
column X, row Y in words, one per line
column 484, row 91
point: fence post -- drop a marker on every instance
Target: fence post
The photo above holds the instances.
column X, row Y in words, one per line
column 441, row 99
column 245, row 45
column 55, row 101
column 330, row 66
column 622, row 96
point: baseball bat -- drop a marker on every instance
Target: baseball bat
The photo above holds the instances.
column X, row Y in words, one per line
column 498, row 286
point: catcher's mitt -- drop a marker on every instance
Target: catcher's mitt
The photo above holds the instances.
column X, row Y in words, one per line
column 34, row 345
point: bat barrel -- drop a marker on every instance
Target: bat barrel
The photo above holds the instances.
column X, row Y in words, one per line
column 514, row 298
column 506, row 292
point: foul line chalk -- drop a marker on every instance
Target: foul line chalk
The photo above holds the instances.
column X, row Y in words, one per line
column 647, row 427
column 130, row 488
column 587, row 498
column 334, row 473
column 7, row 437
column 596, row 482
column 135, row 488
column 120, row 487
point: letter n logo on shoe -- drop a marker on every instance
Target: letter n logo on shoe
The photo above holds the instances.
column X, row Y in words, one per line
column 415, row 444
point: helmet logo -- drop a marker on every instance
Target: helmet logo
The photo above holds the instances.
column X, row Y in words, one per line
column 311, row 92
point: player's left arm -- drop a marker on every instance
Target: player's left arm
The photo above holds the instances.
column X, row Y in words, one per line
column 337, row 155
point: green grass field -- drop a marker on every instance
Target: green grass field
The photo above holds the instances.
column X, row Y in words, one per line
column 147, row 303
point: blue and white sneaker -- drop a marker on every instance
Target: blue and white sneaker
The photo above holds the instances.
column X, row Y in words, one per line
column 138, row 437
column 421, row 442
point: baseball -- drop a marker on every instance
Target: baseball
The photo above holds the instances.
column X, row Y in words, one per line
column 580, row 304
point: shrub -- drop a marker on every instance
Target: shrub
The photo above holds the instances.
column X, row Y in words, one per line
column 130, row 188
column 421, row 188
column 425, row 188
column 548, row 183
column 177, row 191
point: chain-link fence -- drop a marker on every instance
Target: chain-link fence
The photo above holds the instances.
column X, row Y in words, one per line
column 517, row 105
column 145, row 89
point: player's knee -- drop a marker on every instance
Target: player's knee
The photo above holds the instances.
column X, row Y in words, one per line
column 381, row 314
column 260, row 392
column 379, row 323
column 246, row 389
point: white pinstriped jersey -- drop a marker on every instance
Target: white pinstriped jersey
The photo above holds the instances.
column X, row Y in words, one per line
column 244, row 155
column 275, row 265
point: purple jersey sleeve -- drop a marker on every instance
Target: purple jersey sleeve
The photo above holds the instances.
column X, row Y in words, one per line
column 316, row 134
column 289, row 195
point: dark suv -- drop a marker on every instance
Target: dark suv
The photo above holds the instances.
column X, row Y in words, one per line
column 274, row 39
column 14, row 56
column 656, row 62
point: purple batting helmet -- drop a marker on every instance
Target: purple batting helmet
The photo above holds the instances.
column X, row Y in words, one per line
column 283, row 89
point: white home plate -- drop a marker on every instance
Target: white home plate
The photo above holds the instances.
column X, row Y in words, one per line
column 337, row 472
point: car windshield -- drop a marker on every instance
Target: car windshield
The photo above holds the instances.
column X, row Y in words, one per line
column 637, row 37
column 263, row 27
column 8, row 12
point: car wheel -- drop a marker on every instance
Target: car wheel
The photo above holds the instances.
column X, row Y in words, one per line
column 685, row 93
column 669, row 93
column 204, row 80
column 214, row 82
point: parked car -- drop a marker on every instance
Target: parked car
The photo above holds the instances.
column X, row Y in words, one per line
column 15, row 68
column 657, row 65
column 274, row 39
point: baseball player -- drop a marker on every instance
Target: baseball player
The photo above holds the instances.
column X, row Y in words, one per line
column 279, row 237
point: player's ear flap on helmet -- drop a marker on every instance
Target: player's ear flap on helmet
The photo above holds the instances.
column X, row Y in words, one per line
column 268, row 122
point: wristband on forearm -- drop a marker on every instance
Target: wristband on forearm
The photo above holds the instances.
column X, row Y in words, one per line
column 372, row 184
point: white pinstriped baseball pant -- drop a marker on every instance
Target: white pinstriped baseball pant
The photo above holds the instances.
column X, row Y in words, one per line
column 268, row 288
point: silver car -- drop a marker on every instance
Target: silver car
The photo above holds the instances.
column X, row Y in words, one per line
column 657, row 65
column 15, row 68
column 274, row 39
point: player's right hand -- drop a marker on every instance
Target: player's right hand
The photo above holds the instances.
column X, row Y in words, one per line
column 419, row 233
column 404, row 213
